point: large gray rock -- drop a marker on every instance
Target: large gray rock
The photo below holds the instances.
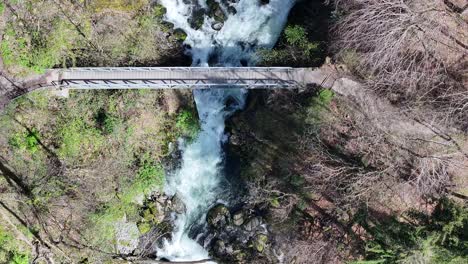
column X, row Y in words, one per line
column 126, row 236
column 178, row 205
column 253, row 223
column 238, row 218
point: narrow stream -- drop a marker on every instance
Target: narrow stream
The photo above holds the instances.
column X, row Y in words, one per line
column 198, row 182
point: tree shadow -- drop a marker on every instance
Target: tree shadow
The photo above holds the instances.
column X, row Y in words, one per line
column 55, row 166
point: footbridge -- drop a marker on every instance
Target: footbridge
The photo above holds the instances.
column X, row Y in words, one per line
column 169, row 78
column 182, row 77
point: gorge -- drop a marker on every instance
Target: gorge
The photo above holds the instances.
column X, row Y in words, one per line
column 125, row 138
column 198, row 182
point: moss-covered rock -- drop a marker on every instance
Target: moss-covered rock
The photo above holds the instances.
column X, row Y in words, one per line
column 218, row 216
column 260, row 242
column 197, row 19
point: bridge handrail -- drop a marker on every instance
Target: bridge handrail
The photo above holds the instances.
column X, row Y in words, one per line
column 110, row 69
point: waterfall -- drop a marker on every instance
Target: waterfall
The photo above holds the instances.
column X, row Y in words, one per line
column 197, row 182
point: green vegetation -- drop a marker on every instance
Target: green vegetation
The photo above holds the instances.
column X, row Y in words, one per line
column 187, row 123
column 65, row 37
column 100, row 157
column 79, row 140
column 26, row 141
column 120, row 5
column 297, row 37
column 11, row 249
column 316, row 111
column 440, row 238
column 295, row 50
column 159, row 11
column 150, row 177
column 38, row 50
column 304, row 39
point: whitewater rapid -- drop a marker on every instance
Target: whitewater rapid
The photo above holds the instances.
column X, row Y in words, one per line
column 198, row 181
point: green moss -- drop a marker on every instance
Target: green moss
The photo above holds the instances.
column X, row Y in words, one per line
column 144, row 227
column 180, row 35
column 120, row 5
column 260, row 242
column 275, row 202
column 159, row 11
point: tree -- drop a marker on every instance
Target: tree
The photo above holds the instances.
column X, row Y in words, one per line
column 410, row 50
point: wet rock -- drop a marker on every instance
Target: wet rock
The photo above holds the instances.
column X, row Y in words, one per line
column 238, row 218
column 219, row 248
column 219, row 15
column 232, row 10
column 177, row 205
column 235, row 140
column 154, row 212
column 217, row 26
column 179, row 34
column 215, row 11
column 260, row 242
column 253, row 223
column 218, row 216
column 197, row 19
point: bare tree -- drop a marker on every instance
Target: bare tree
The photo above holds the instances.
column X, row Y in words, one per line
column 410, row 49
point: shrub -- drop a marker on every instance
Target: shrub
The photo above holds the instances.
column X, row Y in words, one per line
column 77, row 139
column 27, row 141
column 187, row 124
column 296, row 35
column 318, row 105
column 294, row 50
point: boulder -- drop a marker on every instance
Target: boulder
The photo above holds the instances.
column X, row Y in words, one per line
column 218, row 216
column 253, row 223
column 238, row 218
column 260, row 242
column 126, row 236
column 178, row 205
column 219, row 248
column 217, row 26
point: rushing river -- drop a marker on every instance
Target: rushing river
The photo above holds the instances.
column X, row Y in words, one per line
column 198, row 183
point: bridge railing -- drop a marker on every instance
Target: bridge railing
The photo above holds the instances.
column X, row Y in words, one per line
column 187, row 69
